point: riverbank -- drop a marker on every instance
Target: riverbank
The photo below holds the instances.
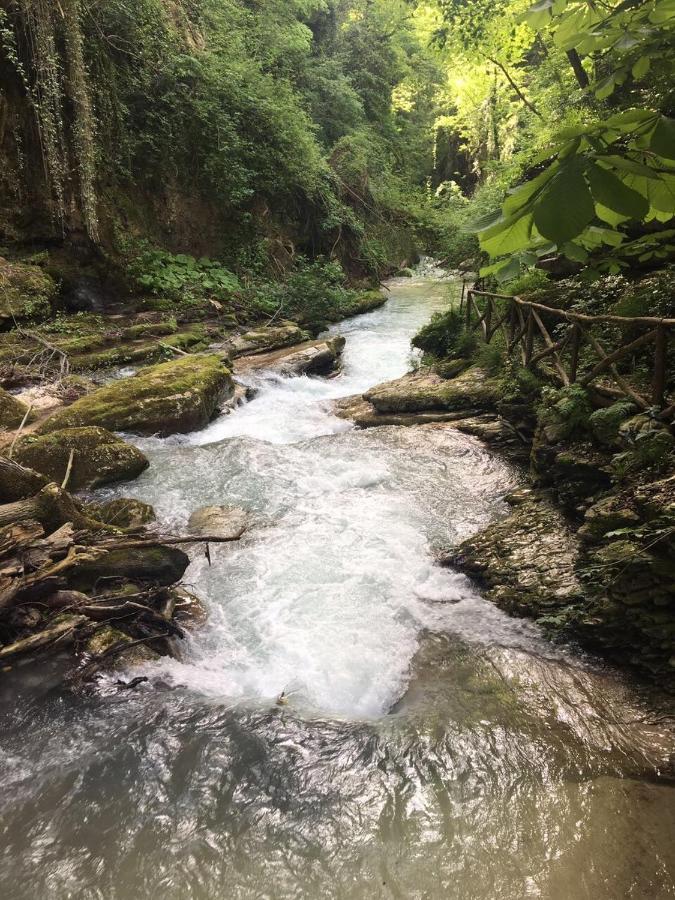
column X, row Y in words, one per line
column 102, row 580
column 586, row 551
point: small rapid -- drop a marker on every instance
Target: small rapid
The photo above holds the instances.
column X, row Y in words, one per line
column 430, row 746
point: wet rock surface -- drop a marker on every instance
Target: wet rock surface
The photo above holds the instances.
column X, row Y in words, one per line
column 526, row 563
column 225, row 522
column 265, row 339
column 309, row 358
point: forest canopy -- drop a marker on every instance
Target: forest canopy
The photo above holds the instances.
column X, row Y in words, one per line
column 357, row 129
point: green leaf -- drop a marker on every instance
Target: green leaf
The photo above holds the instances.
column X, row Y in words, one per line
column 574, row 251
column 641, row 67
column 566, row 206
column 612, row 193
column 662, row 141
column 605, row 87
column 507, row 236
column 608, row 215
column 522, row 195
column 485, row 222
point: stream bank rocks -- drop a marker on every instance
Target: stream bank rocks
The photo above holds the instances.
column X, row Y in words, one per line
column 12, row 411
column 309, row 358
column 265, row 339
column 99, row 457
column 173, row 397
column 525, row 563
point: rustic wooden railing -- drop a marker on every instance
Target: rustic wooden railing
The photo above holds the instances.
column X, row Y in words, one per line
column 523, row 327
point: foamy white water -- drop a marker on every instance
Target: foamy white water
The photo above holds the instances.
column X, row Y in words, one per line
column 329, row 592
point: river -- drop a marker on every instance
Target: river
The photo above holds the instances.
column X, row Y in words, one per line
column 430, row 746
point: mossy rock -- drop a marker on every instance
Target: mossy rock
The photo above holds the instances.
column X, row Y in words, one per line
column 605, row 423
column 26, row 293
column 99, row 457
column 405, row 273
column 12, row 411
column 171, row 398
column 106, row 638
column 156, row 565
column 362, row 303
column 124, row 512
column 424, row 390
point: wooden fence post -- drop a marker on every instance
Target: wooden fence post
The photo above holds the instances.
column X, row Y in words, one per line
column 529, row 338
column 574, row 352
column 660, row 362
column 488, row 319
column 469, row 301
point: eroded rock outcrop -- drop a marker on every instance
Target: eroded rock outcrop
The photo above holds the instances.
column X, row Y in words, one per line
column 526, row 563
column 309, row 358
column 264, row 339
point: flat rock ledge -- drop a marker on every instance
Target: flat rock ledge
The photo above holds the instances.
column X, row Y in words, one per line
column 525, row 563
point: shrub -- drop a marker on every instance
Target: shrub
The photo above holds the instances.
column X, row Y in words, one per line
column 445, row 335
column 605, row 422
column 568, row 408
column 178, row 275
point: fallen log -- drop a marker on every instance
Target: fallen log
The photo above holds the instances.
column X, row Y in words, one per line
column 58, row 634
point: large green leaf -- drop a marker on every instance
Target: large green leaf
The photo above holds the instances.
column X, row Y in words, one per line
column 566, row 206
column 508, row 236
column 662, row 141
column 523, row 194
column 611, row 192
column 660, row 192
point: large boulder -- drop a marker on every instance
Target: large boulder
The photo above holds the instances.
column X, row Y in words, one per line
column 155, row 564
column 419, row 391
column 99, row 457
column 364, row 302
column 174, row 397
column 225, row 522
column 12, row 411
column 26, row 293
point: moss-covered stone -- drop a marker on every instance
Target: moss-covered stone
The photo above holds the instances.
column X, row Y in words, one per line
column 605, row 423
column 156, row 565
column 361, row 303
column 99, row 457
column 124, row 512
column 424, row 390
column 106, row 638
column 173, row 397
column 26, row 293
column 12, row 411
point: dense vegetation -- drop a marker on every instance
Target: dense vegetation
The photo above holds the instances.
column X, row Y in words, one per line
column 261, row 132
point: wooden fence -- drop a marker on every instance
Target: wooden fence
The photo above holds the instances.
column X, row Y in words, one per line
column 522, row 324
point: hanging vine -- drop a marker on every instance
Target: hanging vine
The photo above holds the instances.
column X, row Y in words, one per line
column 48, row 57
column 77, row 85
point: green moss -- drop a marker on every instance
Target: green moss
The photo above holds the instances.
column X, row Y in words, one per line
column 173, row 397
column 357, row 304
column 26, row 292
column 12, row 411
column 99, row 457
column 605, row 423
